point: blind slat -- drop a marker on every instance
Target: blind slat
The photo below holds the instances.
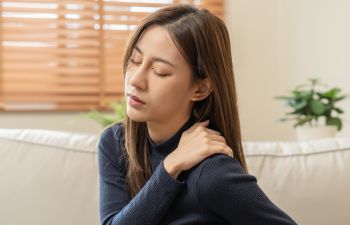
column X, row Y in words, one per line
column 53, row 98
column 67, row 55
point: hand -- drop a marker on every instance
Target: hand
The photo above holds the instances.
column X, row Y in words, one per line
column 196, row 144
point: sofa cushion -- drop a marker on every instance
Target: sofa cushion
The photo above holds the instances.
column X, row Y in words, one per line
column 310, row 180
column 48, row 178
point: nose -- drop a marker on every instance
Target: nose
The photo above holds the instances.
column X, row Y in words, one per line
column 138, row 78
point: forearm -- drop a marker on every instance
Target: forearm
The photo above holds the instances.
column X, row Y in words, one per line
column 151, row 202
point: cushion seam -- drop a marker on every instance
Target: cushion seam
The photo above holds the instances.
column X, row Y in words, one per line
column 64, row 148
column 297, row 154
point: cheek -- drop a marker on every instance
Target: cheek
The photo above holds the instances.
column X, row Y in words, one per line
column 170, row 95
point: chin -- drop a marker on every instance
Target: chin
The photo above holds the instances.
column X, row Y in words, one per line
column 136, row 116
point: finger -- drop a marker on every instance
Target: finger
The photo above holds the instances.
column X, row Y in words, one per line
column 217, row 137
column 219, row 147
column 194, row 126
column 212, row 131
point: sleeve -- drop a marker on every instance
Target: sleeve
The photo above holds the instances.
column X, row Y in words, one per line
column 115, row 203
column 237, row 199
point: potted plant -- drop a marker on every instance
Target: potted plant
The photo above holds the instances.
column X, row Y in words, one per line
column 119, row 113
column 315, row 112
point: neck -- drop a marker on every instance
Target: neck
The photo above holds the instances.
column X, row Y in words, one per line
column 160, row 131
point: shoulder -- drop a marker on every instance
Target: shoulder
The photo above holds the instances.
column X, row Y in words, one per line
column 111, row 143
column 221, row 163
column 114, row 131
column 221, row 172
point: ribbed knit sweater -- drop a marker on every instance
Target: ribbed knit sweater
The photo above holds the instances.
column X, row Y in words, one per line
column 215, row 191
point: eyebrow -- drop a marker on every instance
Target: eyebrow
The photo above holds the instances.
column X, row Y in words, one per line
column 155, row 58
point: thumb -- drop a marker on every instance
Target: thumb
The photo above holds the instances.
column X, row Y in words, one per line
column 194, row 126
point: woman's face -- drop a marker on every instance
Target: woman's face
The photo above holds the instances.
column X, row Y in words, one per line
column 159, row 76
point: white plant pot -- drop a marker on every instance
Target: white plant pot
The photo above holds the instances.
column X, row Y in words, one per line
column 315, row 132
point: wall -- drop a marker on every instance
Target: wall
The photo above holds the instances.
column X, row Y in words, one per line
column 279, row 44
column 276, row 45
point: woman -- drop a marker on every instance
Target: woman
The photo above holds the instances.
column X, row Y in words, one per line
column 178, row 158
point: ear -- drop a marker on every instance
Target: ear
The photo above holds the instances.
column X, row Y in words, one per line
column 202, row 89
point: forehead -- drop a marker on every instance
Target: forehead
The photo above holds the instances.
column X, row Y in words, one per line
column 157, row 42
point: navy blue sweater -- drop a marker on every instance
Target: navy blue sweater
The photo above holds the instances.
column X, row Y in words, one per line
column 215, row 191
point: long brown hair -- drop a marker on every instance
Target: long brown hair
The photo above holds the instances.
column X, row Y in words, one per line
column 203, row 40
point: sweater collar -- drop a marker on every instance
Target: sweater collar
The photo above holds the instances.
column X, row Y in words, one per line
column 169, row 145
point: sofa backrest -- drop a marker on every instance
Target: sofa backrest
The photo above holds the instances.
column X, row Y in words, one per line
column 51, row 178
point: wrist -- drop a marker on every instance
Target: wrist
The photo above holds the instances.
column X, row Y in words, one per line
column 172, row 168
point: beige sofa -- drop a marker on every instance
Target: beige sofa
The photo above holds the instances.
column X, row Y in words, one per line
column 50, row 178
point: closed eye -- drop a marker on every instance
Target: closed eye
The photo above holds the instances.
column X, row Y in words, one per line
column 162, row 74
column 134, row 62
column 158, row 74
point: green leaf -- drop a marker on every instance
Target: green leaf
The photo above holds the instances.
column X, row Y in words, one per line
column 317, row 107
column 296, row 103
column 283, row 97
column 332, row 93
column 97, row 116
column 303, row 120
column 340, row 111
column 296, row 92
column 339, row 98
column 334, row 121
column 303, row 95
column 119, row 109
column 296, row 112
column 320, row 95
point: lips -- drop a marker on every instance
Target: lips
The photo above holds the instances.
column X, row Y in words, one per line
column 135, row 98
